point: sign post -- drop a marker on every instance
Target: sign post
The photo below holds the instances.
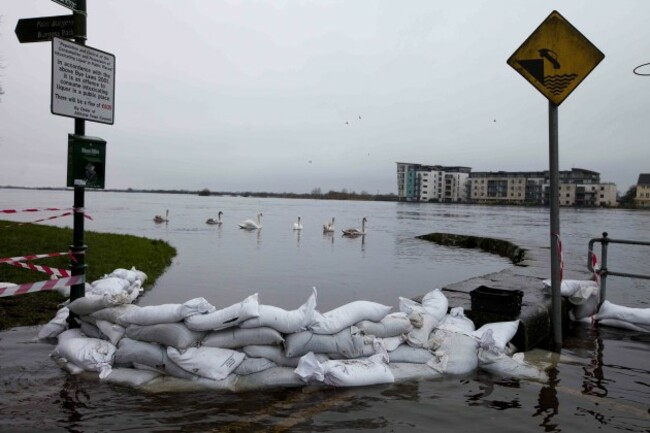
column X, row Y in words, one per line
column 45, row 28
column 555, row 59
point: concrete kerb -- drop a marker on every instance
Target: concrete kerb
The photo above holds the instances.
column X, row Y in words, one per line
column 531, row 265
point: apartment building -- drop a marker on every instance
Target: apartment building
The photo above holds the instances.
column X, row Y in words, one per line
column 431, row 183
column 578, row 187
column 642, row 197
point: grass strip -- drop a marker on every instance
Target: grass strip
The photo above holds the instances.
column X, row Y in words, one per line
column 106, row 252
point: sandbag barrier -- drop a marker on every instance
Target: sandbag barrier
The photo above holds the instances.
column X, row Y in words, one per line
column 250, row 346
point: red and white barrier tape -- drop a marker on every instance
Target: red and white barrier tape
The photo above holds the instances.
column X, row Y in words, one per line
column 40, row 268
column 34, row 209
column 561, row 257
column 59, row 216
column 36, row 256
column 41, row 286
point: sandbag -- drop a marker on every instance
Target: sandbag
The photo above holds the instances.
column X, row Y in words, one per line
column 392, row 325
column 130, row 377
column 501, row 364
column 409, row 354
column 111, row 331
column 139, row 354
column 456, row 353
column 347, row 343
column 55, row 326
column 275, row 354
column 237, row 337
column 419, row 336
column 111, row 314
column 209, row 362
column 165, row 313
column 500, row 332
column 131, row 275
column 577, row 291
column 89, row 304
column 347, row 315
column 434, row 303
column 168, row 334
column 274, row 377
column 345, row 373
column 282, row 320
column 637, row 319
column 226, row 317
column 253, row 365
column 91, row 354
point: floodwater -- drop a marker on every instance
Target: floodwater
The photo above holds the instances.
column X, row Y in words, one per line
column 600, row 380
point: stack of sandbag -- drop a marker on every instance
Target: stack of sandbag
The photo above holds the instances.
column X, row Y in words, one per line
column 248, row 345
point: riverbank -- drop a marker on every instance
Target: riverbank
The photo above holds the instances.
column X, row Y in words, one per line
column 106, row 252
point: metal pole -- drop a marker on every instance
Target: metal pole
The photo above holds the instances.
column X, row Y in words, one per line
column 78, row 264
column 554, row 198
column 603, row 270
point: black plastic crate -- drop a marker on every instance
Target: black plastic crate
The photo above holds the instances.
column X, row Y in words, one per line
column 496, row 301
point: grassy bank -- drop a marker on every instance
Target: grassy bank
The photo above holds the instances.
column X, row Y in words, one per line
column 105, row 253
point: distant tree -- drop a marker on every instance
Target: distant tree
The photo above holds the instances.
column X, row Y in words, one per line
column 627, row 199
column 204, row 192
column 316, row 191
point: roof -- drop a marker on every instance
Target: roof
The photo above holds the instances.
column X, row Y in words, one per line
column 644, row 179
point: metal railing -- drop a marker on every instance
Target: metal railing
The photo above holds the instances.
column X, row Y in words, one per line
column 603, row 271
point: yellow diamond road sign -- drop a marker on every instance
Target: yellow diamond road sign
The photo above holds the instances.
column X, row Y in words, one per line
column 555, row 58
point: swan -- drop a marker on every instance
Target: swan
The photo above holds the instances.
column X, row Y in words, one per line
column 356, row 231
column 252, row 225
column 328, row 227
column 159, row 219
column 297, row 225
column 216, row 220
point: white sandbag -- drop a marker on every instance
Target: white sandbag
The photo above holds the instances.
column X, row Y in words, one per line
column 253, row 365
column 55, row 326
column 406, row 371
column 419, row 336
column 345, row 373
column 408, row 354
column 89, row 304
column 169, row 384
column 139, row 354
column 282, row 320
column 637, row 319
column 165, row 313
column 70, row 333
column 209, row 362
column 91, row 354
column 501, row 364
column 456, row 354
column 237, row 337
column 577, row 291
column 587, row 308
column 392, row 343
column 90, row 330
column 392, row 325
column 130, row 377
column 109, row 286
column 347, row 315
column 622, row 324
column 347, row 343
column 111, row 331
column 131, row 275
column 500, row 332
column 435, row 303
column 457, row 321
column 168, row 334
column 111, row 314
column 275, row 377
column 275, row 354
column 226, row 317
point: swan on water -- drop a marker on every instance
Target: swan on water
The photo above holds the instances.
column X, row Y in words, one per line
column 216, row 220
column 252, row 225
column 328, row 227
column 356, row 231
column 160, row 219
column 297, row 225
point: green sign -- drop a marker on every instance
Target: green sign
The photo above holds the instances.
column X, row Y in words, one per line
column 86, row 161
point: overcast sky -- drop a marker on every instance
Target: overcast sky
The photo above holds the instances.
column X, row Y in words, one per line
column 294, row 95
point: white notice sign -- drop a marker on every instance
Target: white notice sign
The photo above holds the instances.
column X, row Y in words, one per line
column 83, row 82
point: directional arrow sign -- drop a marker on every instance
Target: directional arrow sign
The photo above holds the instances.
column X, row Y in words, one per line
column 555, row 58
column 45, row 28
